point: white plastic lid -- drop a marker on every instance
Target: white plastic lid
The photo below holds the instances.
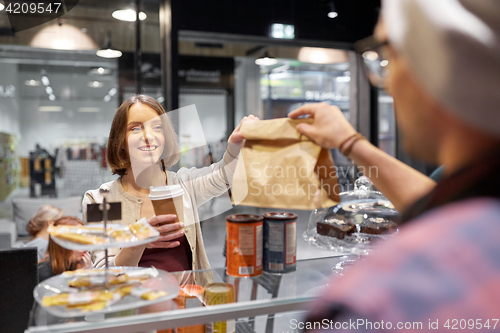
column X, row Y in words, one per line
column 165, row 192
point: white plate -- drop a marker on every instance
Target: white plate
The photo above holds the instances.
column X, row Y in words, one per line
column 111, row 242
column 59, row 284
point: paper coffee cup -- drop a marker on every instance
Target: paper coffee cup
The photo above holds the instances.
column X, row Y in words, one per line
column 168, row 200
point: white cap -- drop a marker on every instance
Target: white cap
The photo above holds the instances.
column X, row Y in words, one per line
column 165, row 192
column 453, row 50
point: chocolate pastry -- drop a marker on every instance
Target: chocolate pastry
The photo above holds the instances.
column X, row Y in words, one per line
column 335, row 228
column 377, row 226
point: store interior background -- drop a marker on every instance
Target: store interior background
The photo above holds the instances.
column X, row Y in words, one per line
column 218, row 44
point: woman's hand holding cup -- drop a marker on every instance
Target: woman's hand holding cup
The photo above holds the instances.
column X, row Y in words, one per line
column 168, row 205
column 169, row 230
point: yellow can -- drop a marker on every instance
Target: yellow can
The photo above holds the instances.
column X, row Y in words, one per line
column 219, row 293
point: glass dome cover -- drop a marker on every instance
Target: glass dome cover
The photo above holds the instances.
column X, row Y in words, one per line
column 362, row 217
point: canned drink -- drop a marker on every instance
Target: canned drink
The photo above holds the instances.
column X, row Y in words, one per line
column 219, row 293
column 280, row 242
column 190, row 296
column 244, row 245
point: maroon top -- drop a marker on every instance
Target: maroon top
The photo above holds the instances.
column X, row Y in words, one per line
column 175, row 259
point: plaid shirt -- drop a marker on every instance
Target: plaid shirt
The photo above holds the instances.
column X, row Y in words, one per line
column 443, row 268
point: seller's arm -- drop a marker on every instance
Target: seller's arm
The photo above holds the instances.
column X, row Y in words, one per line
column 401, row 184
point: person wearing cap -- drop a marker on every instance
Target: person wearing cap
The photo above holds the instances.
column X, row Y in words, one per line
column 142, row 145
column 440, row 60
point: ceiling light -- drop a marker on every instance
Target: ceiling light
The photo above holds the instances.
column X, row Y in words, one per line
column 107, row 98
column 45, row 80
column 89, row 109
column 384, row 63
column 266, row 60
column 49, row 90
column 52, row 97
column 128, row 15
column 32, row 83
column 112, row 92
column 95, row 84
column 63, row 44
column 100, row 71
column 160, row 99
column 332, row 12
column 318, row 57
column 62, row 37
column 50, row 108
column 284, row 31
column 107, row 50
column 109, row 53
column 2, row 7
column 321, row 55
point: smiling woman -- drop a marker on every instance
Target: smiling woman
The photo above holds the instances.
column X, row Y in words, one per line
column 145, row 137
column 142, row 146
column 134, row 115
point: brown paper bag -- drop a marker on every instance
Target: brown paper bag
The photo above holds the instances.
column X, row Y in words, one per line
column 280, row 168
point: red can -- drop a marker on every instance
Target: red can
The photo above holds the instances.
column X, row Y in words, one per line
column 244, row 245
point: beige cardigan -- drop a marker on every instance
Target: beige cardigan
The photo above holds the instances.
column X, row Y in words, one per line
column 200, row 185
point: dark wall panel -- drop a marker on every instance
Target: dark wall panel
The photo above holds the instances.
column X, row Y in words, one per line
column 356, row 17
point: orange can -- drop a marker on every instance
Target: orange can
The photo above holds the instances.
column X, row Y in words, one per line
column 244, row 245
column 190, row 296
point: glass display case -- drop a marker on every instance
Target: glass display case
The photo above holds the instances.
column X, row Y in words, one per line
column 262, row 295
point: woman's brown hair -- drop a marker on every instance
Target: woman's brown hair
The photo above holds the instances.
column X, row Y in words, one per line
column 117, row 153
column 59, row 256
column 44, row 214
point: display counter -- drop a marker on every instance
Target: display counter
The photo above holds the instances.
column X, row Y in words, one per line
column 264, row 294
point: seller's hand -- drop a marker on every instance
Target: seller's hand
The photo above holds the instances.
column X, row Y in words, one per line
column 236, row 137
column 329, row 129
column 169, row 231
